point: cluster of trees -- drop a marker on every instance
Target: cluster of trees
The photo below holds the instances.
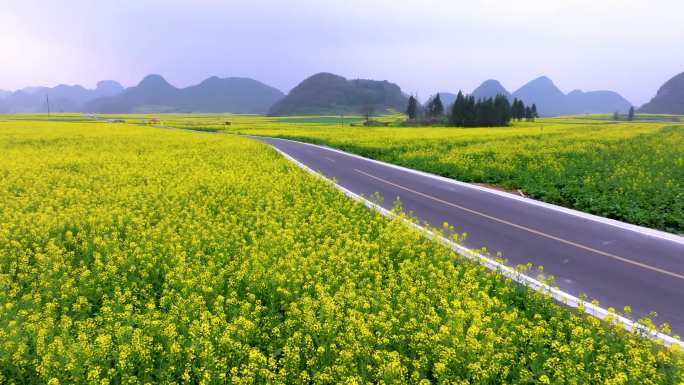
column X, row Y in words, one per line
column 630, row 114
column 520, row 111
column 412, row 108
column 435, row 108
column 468, row 112
column 432, row 112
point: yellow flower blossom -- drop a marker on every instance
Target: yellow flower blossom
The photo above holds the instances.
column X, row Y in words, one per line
column 135, row 255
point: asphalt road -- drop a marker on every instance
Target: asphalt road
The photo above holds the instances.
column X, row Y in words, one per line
column 613, row 262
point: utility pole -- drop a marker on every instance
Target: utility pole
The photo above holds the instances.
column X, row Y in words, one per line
column 47, row 99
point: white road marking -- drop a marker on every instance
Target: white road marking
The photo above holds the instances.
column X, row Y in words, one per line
column 611, row 222
column 559, row 295
column 524, row 228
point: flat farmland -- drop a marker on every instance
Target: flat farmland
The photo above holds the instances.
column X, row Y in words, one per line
column 134, row 254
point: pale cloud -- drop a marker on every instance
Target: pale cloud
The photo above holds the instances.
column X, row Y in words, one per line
column 425, row 46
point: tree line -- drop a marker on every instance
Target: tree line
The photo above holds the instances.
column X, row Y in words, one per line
column 469, row 112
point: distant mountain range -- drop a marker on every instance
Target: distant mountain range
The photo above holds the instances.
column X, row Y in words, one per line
column 326, row 93
column 62, row 97
column 669, row 99
column 323, row 93
column 550, row 100
column 154, row 94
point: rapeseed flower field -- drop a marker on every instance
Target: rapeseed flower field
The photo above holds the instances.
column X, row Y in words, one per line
column 138, row 255
column 629, row 171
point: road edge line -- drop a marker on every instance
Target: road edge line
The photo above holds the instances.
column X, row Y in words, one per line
column 506, row 271
column 596, row 218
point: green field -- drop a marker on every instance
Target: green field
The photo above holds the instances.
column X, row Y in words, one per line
column 131, row 255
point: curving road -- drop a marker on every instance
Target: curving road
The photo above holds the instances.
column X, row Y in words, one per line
column 617, row 263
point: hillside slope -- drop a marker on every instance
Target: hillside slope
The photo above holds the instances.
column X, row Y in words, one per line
column 543, row 92
column 593, row 102
column 326, row 93
column 669, row 99
column 489, row 89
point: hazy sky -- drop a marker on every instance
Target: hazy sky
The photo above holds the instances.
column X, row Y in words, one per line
column 425, row 46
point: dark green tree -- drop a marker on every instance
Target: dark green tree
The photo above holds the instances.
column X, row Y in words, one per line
column 479, row 114
column 502, row 108
column 518, row 109
column 630, row 116
column 535, row 114
column 470, row 119
column 435, row 108
column 528, row 114
column 412, row 108
column 616, row 115
column 458, row 111
column 514, row 109
column 485, row 113
column 489, row 112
